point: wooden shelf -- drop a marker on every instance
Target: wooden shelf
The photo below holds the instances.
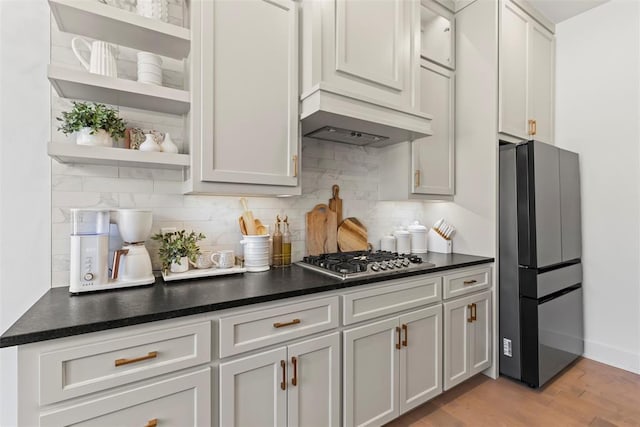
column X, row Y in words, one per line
column 128, row 93
column 103, row 22
column 72, row 153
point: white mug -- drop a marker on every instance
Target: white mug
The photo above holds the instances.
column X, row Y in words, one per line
column 223, row 259
column 102, row 59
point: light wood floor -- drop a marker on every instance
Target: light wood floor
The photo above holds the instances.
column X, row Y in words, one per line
column 588, row 393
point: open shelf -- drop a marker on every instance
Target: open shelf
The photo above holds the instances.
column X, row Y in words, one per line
column 76, row 84
column 100, row 21
column 73, row 153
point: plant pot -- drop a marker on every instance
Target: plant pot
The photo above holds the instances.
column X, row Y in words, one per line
column 182, row 267
column 101, row 138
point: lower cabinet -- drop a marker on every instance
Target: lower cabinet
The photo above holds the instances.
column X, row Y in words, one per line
column 294, row 385
column 467, row 337
column 181, row 401
column 392, row 366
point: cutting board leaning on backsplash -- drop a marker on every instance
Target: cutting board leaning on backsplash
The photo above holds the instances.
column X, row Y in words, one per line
column 322, row 225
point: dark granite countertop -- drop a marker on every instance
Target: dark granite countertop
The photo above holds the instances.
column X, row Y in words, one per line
column 58, row 314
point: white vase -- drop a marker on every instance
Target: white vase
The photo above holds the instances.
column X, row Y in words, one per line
column 101, row 138
column 168, row 146
column 149, row 144
column 182, row 267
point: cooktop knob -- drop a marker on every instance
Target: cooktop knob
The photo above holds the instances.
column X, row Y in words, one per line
column 406, row 262
column 390, row 265
column 383, row 266
column 375, row 266
column 398, row 263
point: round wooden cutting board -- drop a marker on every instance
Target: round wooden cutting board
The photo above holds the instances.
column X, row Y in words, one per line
column 352, row 236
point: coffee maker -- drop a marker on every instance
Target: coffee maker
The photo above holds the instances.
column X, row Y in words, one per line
column 131, row 266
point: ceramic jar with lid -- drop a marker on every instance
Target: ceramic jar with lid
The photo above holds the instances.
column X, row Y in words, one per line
column 418, row 234
column 403, row 241
column 388, row 243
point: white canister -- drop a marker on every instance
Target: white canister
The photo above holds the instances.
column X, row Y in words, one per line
column 418, row 238
column 256, row 252
column 403, row 241
column 388, row 243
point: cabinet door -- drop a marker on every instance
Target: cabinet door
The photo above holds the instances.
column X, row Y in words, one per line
column 513, row 44
column 253, row 390
column 433, row 157
column 314, row 382
column 541, row 81
column 250, row 97
column 457, row 314
column 480, row 348
column 437, row 38
column 371, row 373
column 421, row 357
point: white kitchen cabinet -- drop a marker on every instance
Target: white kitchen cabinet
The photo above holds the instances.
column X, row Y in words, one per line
column 244, row 124
column 391, row 366
column 467, row 337
column 297, row 385
column 359, row 64
column 527, row 75
column 437, row 33
column 425, row 166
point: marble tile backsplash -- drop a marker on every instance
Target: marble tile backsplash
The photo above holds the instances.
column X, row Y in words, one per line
column 355, row 169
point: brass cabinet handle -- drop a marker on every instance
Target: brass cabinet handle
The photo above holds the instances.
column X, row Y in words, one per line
column 150, row 355
column 470, row 318
column 474, row 312
column 152, row 423
column 295, row 165
column 469, row 282
column 294, row 380
column 281, row 325
column 405, row 328
column 417, row 178
column 283, row 384
column 399, row 337
column 535, row 127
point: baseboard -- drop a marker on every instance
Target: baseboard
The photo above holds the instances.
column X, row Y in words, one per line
column 612, row 356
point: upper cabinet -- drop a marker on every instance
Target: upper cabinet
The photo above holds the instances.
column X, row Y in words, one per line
column 244, row 120
column 437, row 34
column 359, row 71
column 527, row 75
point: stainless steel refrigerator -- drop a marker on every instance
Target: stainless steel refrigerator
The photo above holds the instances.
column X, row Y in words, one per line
column 541, row 324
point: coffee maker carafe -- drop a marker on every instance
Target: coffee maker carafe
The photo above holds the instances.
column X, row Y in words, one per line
column 90, row 249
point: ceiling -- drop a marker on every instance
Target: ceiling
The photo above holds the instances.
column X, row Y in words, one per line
column 559, row 10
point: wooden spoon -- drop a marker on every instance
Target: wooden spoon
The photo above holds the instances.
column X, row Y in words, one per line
column 260, row 228
column 243, row 227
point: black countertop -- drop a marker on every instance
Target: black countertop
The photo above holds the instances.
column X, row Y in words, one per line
column 58, row 314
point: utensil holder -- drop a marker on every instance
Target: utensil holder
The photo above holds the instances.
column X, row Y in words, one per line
column 438, row 243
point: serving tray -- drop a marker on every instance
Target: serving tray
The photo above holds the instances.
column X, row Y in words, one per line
column 202, row 272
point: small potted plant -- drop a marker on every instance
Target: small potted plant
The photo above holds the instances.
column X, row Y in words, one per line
column 94, row 124
column 177, row 249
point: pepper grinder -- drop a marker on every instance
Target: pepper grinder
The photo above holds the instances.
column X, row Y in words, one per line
column 277, row 244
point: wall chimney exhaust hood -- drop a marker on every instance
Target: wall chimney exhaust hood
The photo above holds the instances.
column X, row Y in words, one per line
column 331, row 116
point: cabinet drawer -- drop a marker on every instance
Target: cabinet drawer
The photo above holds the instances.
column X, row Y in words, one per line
column 465, row 282
column 181, row 401
column 261, row 328
column 397, row 296
column 84, row 369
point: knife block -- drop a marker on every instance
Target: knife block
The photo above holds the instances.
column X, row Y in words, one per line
column 437, row 243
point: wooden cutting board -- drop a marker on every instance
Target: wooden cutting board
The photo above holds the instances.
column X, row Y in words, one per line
column 352, row 236
column 321, row 230
column 335, row 203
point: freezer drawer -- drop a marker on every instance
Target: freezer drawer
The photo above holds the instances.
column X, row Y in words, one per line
column 540, row 284
column 552, row 335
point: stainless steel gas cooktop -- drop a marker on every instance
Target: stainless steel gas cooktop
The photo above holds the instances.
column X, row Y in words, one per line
column 347, row 265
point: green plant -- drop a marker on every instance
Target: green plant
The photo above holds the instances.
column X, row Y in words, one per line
column 94, row 116
column 178, row 244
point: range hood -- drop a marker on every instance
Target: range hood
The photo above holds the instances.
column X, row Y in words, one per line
column 333, row 116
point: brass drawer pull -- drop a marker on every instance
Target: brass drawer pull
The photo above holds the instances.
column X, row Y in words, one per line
column 470, row 282
column 295, row 165
column 281, row 325
column 398, row 344
column 470, row 318
column 405, row 328
column 417, row 178
column 474, row 312
column 150, row 355
column 283, row 384
column 152, row 423
column 294, row 361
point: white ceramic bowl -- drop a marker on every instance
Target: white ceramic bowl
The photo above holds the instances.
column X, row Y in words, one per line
column 149, row 58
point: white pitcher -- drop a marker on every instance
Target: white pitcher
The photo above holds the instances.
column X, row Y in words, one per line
column 102, row 59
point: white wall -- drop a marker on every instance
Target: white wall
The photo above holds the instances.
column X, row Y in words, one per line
column 24, row 174
column 598, row 116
